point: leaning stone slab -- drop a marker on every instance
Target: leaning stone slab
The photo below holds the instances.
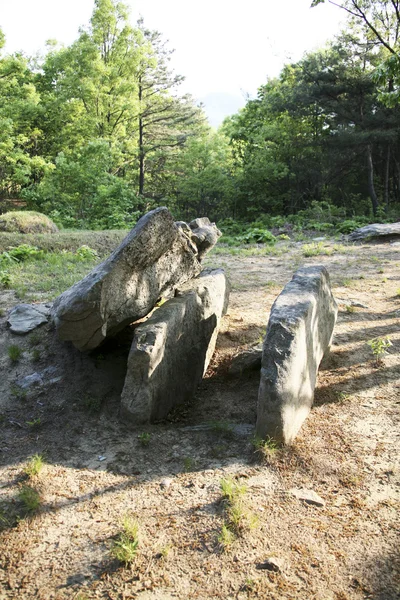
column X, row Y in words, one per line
column 171, row 350
column 376, row 231
column 23, row 318
column 298, row 335
column 152, row 260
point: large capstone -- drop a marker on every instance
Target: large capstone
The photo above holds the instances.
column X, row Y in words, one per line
column 382, row 231
column 152, row 260
column 298, row 335
column 171, row 350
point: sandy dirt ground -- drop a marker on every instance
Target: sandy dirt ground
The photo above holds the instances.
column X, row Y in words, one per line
column 98, row 469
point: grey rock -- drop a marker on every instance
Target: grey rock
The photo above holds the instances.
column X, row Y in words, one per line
column 248, row 360
column 376, row 230
column 151, row 261
column 204, row 234
column 307, row 496
column 23, row 318
column 298, row 335
column 39, row 379
column 171, row 350
column 35, row 379
column 354, row 303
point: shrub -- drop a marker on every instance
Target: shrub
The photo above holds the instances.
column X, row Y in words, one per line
column 26, row 221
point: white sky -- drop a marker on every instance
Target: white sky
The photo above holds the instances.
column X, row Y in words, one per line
column 225, row 48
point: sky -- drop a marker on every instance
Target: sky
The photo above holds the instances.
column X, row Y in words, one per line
column 225, row 49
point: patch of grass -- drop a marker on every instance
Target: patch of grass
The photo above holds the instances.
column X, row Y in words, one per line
column 2, row 312
column 30, row 498
column 222, row 428
column 144, row 438
column 17, row 392
column 5, row 279
column 226, row 537
column 34, row 466
column 35, row 356
column 125, row 547
column 316, row 249
column 104, row 242
column 49, row 277
column 14, row 352
column 343, row 397
column 34, row 339
column 238, row 517
column 266, row 448
column 26, row 221
column 35, row 423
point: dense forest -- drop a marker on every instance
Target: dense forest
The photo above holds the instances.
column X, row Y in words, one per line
column 97, row 133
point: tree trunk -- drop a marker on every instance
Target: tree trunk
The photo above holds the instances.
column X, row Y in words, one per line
column 141, row 158
column 371, row 188
column 386, row 181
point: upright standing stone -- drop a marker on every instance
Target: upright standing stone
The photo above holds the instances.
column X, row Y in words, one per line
column 154, row 258
column 171, row 350
column 298, row 335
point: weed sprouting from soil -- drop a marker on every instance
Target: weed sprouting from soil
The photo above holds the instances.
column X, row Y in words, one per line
column 30, row 498
column 14, row 353
column 238, row 517
column 379, row 347
column 125, row 547
column 35, row 465
column 144, row 438
column 265, row 448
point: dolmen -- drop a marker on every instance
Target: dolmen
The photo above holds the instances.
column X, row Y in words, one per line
column 298, row 335
column 171, row 350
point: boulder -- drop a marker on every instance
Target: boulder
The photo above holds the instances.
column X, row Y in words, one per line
column 248, row 360
column 376, row 231
column 298, row 335
column 171, row 350
column 204, row 234
column 23, row 318
column 152, row 260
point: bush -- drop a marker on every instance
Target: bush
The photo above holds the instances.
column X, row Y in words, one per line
column 26, row 221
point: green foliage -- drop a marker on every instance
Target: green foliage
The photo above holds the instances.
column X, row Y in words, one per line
column 266, row 448
column 125, row 547
column 30, row 498
column 379, row 346
column 5, row 279
column 35, row 423
column 144, row 438
column 14, row 352
column 34, row 466
column 86, row 253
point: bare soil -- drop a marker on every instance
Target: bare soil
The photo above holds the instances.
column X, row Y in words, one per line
column 98, row 470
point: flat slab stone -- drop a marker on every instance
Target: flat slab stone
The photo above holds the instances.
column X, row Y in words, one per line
column 23, row 318
column 307, row 496
column 171, row 350
column 298, row 335
column 152, row 260
column 376, row 230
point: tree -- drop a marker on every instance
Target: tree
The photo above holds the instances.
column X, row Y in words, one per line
column 380, row 20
